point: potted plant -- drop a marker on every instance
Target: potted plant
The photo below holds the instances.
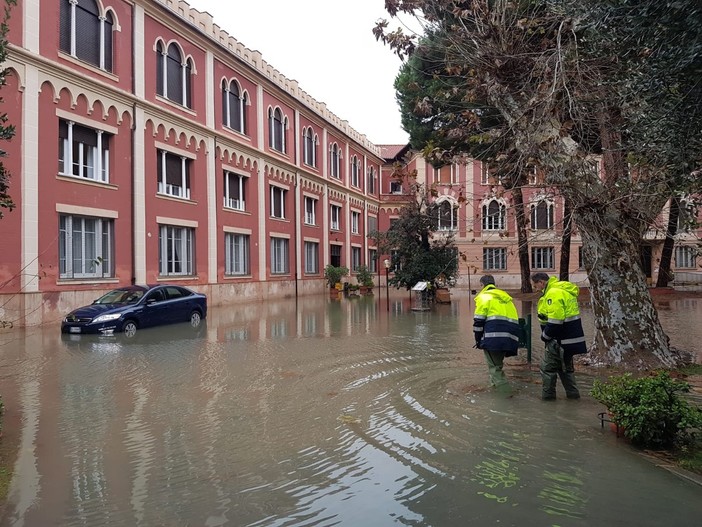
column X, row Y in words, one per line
column 334, row 274
column 365, row 279
column 650, row 410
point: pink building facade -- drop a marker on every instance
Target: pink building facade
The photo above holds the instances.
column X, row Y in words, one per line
column 153, row 146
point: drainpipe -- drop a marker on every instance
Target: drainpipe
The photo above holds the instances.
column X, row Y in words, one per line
column 297, row 226
column 134, row 167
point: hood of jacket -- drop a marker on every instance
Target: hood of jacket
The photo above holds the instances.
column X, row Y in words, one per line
column 499, row 294
column 567, row 287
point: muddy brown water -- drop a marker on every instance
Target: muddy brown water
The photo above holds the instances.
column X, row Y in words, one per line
column 317, row 413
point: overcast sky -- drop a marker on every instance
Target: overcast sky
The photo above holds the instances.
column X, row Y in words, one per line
column 329, row 48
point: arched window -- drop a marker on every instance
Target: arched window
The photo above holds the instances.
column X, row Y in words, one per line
column 85, row 34
column 542, row 215
column 309, row 140
column 234, row 104
column 335, row 161
column 494, row 216
column 371, row 181
column 355, row 171
column 276, row 126
column 448, row 216
column 173, row 76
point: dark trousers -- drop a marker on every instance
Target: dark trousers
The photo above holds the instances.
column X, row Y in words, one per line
column 495, row 361
column 557, row 364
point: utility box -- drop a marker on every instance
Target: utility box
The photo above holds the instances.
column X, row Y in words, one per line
column 420, row 301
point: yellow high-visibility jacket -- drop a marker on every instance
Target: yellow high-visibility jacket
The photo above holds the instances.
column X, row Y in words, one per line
column 559, row 316
column 495, row 321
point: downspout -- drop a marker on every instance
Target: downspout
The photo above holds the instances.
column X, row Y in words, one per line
column 297, row 226
column 134, row 168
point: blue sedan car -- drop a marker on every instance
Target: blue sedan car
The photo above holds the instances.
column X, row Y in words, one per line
column 133, row 307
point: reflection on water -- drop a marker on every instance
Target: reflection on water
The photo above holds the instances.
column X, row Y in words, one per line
column 315, row 412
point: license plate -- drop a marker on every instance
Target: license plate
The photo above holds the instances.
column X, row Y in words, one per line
column 74, row 330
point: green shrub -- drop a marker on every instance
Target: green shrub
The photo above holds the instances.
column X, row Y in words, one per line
column 650, row 409
column 335, row 274
column 364, row 276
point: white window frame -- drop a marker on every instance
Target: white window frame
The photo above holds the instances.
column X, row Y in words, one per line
column 355, row 258
column 355, row 221
column 395, row 186
column 309, row 149
column 310, row 211
column 177, row 191
column 453, row 216
column 543, row 258
column 335, row 161
column 234, row 188
column 237, row 97
column 550, row 211
column 184, row 71
column 685, row 257
column 280, row 260
column 494, row 222
column 355, row 172
column 494, row 259
column 335, row 218
column 484, row 174
column 237, row 256
column 176, row 255
column 88, row 163
column 311, row 257
column 373, row 260
column 85, row 253
column 106, row 41
column 277, row 127
column 371, row 180
column 277, row 202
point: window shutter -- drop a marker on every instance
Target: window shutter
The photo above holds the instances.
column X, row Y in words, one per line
column 88, row 34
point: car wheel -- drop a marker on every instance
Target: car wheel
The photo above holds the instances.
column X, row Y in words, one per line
column 195, row 319
column 130, row 328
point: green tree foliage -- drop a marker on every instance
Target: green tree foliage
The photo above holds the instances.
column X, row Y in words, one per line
column 570, row 80
column 419, row 253
column 6, row 131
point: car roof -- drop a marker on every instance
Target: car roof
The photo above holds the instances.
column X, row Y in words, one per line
column 149, row 287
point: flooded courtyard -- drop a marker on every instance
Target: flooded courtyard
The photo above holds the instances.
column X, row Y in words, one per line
column 318, row 412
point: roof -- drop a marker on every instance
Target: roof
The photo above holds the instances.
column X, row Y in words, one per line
column 392, row 152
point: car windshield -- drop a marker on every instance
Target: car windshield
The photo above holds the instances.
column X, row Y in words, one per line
column 120, row 296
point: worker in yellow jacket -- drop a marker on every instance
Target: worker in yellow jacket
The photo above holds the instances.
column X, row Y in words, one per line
column 496, row 328
column 562, row 331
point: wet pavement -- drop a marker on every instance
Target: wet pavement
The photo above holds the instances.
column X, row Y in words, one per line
column 317, row 412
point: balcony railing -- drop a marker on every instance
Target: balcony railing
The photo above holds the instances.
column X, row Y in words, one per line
column 173, row 190
column 233, row 203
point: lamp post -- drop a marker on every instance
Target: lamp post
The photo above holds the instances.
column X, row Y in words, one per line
column 387, row 285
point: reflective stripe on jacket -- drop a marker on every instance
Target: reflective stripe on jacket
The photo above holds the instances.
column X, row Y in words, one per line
column 495, row 321
column 559, row 315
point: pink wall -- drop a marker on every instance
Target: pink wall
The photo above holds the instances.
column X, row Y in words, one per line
column 11, row 222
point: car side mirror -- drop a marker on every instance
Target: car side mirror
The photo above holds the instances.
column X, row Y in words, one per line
column 150, row 301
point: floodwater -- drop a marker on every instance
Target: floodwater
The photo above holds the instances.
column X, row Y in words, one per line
column 320, row 412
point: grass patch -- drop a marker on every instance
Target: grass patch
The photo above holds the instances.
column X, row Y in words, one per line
column 691, row 369
column 690, row 458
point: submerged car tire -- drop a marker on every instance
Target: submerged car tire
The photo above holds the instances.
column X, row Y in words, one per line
column 129, row 329
column 195, row 319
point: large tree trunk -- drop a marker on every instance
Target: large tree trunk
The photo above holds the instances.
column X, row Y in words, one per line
column 627, row 328
column 522, row 242
column 664, row 273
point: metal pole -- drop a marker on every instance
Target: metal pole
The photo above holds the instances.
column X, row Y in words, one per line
column 387, row 287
